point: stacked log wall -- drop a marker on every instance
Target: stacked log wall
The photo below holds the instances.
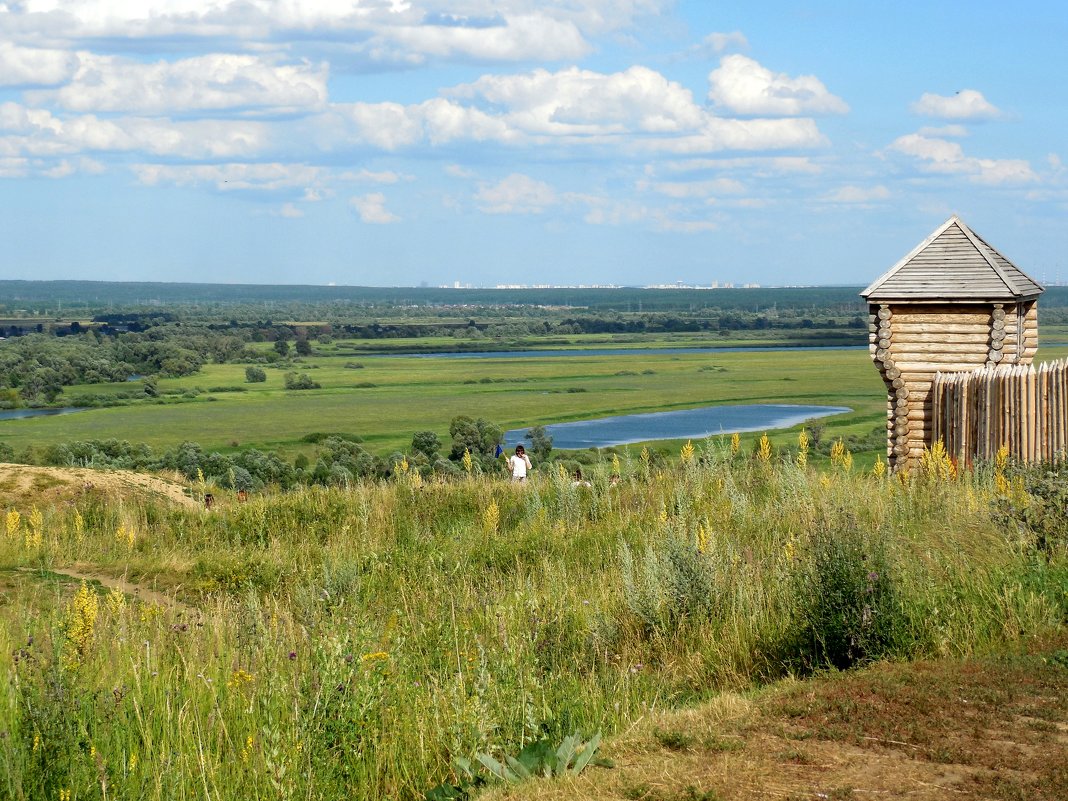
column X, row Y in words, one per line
column 912, row 342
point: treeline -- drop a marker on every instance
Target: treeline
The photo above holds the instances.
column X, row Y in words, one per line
column 35, row 368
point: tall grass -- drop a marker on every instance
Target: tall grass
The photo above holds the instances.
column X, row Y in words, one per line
column 353, row 643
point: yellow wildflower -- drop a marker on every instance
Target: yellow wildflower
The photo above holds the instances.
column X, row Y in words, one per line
column 81, row 622
column 615, row 464
column 79, row 526
column 686, row 454
column 239, row 679
column 246, row 752
column 736, row 444
column 132, row 763
column 12, row 522
column 764, row 451
column 491, row 518
column 116, row 602
column 802, row 449
column 645, row 456
column 467, row 461
column 375, row 657
column 702, row 539
column 879, row 469
column 125, row 536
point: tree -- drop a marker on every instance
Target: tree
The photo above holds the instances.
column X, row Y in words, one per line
column 541, row 442
column 281, row 347
column 255, row 375
column 426, row 442
column 304, row 347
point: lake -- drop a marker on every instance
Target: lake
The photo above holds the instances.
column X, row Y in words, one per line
column 19, row 414
column 686, row 424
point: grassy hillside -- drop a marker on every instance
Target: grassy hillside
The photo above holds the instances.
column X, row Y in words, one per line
column 357, row 643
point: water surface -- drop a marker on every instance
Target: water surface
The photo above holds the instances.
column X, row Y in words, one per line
column 686, row 424
column 19, row 414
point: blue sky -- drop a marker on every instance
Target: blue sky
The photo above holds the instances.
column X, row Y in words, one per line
column 395, row 142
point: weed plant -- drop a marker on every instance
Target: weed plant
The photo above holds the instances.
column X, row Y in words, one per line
column 364, row 642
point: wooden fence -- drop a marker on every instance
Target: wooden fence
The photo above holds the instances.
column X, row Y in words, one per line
column 1022, row 407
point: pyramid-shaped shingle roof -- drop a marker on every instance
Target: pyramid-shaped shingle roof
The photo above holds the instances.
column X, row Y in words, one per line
column 953, row 264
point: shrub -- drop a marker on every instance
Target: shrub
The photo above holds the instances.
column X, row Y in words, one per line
column 301, row 381
column 255, row 375
column 848, row 603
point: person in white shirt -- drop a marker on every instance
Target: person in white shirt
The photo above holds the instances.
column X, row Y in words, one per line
column 519, row 464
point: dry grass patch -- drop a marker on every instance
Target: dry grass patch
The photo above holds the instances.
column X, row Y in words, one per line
column 984, row 728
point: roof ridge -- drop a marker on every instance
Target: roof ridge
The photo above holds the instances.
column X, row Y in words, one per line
column 954, row 270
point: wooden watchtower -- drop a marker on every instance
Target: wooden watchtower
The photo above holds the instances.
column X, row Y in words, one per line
column 952, row 304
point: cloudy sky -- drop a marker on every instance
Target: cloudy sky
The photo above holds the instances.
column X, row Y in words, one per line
column 394, row 142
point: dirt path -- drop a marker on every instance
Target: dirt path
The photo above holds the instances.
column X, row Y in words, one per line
column 23, row 484
column 82, row 572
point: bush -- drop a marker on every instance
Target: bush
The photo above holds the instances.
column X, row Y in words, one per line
column 301, row 381
column 255, row 375
column 848, row 601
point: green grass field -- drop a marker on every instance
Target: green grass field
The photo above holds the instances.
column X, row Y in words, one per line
column 358, row 643
column 411, row 394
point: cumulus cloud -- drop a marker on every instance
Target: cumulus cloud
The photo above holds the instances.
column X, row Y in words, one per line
column 30, row 131
column 211, row 82
column 967, row 104
column 948, row 158
column 372, row 209
column 858, row 194
column 400, row 31
column 516, row 194
column 744, row 86
column 32, row 66
column 637, row 111
column 584, row 102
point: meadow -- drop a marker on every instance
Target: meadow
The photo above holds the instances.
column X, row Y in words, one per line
column 362, row 642
column 388, row 398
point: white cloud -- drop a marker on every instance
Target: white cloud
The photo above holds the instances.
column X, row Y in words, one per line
column 521, row 38
column 516, row 194
column 759, row 166
column 945, row 157
column 370, row 177
column 39, row 132
column 209, row 82
column 744, row 86
column 715, row 44
column 382, row 31
column 372, row 209
column 456, row 171
column 967, row 104
column 697, row 189
column 952, row 131
column 271, row 177
column 582, row 102
column 290, row 212
column 31, row 66
column 858, row 194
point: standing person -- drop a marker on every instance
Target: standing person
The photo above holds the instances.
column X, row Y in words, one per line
column 519, row 464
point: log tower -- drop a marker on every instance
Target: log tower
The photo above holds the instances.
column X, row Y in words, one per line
column 952, row 304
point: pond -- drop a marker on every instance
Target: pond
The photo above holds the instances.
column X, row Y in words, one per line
column 686, row 424
column 19, row 414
